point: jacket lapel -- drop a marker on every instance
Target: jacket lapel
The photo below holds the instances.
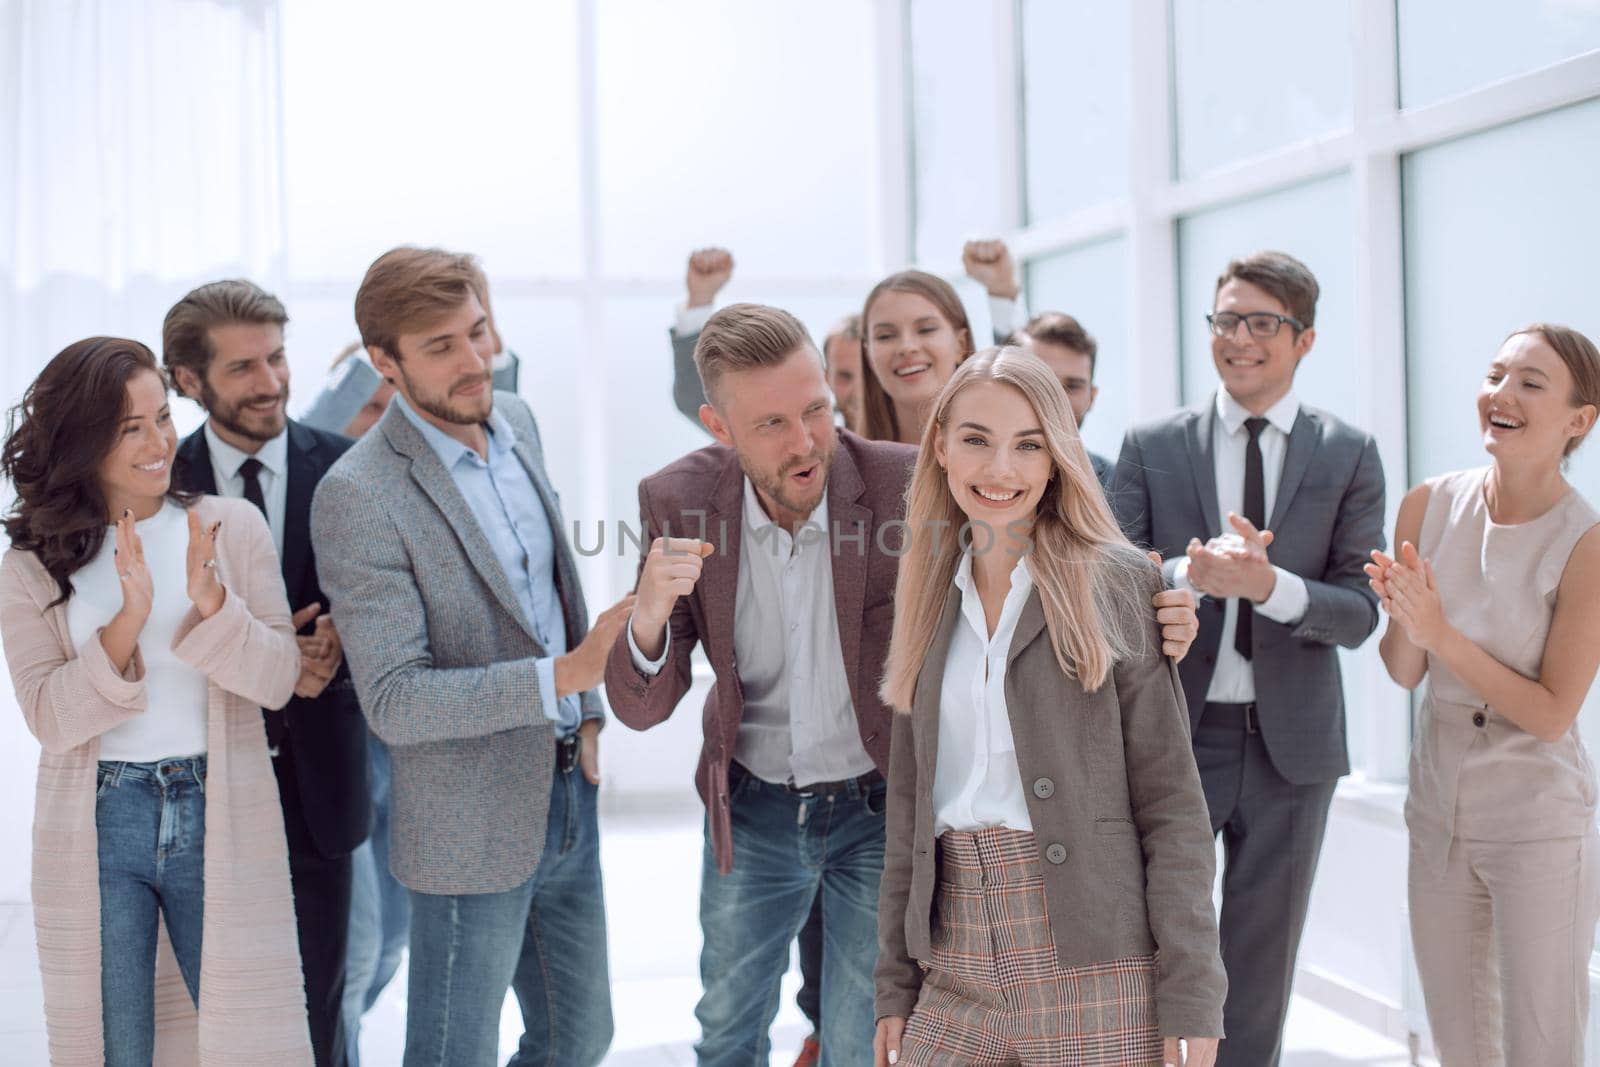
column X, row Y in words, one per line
column 1297, row 458
column 431, row 477
column 847, row 515
column 568, row 588
column 719, row 574
column 930, row 685
column 303, row 473
column 1201, row 432
column 1030, row 624
column 193, row 471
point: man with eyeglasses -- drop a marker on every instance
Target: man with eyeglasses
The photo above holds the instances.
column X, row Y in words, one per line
column 1266, row 508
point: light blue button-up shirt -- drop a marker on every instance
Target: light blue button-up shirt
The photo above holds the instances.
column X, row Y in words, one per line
column 513, row 519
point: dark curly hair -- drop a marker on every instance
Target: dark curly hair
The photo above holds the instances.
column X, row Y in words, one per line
column 66, row 424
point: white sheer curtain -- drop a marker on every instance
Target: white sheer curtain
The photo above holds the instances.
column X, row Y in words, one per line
column 140, row 155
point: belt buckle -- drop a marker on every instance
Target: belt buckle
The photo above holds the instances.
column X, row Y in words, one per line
column 567, row 753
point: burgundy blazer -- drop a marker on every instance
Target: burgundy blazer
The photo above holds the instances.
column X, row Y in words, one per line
column 702, row 495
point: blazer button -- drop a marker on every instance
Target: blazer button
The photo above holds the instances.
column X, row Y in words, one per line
column 1056, row 854
column 1044, row 788
column 1479, row 719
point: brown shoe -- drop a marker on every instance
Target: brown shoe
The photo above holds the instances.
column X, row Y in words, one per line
column 810, row 1053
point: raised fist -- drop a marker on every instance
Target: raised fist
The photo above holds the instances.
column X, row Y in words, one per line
column 709, row 270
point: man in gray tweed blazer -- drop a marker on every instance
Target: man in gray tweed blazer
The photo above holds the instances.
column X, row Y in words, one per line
column 1204, row 487
column 439, row 545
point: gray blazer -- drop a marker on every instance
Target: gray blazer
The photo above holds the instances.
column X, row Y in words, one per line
column 1327, row 517
column 442, row 655
column 1116, row 805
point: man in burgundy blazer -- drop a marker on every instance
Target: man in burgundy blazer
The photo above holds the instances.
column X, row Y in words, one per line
column 777, row 549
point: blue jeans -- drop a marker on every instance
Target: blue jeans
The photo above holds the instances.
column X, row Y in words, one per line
column 545, row 939
column 150, row 822
column 787, row 848
column 380, row 911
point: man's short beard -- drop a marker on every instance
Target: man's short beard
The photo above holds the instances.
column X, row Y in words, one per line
column 441, row 409
column 228, row 418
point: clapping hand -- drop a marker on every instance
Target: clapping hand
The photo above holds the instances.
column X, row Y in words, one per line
column 1234, row 565
column 321, row 651
column 204, row 589
column 1409, row 595
column 138, row 589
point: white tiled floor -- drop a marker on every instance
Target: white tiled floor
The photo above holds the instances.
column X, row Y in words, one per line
column 652, row 866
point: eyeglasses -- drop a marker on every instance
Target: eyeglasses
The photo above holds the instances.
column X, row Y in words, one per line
column 1262, row 324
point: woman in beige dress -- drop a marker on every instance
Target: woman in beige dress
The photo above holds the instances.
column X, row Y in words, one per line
column 144, row 630
column 1495, row 600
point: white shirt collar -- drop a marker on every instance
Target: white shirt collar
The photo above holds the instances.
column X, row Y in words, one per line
column 756, row 517
column 1021, row 577
column 1281, row 415
column 274, row 455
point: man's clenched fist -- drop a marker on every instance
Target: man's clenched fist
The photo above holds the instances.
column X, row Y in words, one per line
column 670, row 570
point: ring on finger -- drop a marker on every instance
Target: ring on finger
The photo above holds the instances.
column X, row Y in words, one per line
column 211, row 564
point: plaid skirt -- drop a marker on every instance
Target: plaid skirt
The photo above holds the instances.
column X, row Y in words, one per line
column 994, row 993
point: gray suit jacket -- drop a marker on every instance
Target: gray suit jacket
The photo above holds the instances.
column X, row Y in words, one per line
column 1328, row 515
column 442, row 655
column 1116, row 805
column 688, row 394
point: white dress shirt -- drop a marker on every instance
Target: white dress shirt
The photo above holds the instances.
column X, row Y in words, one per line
column 976, row 782
column 274, row 475
column 799, row 721
column 1234, row 680
column 174, row 721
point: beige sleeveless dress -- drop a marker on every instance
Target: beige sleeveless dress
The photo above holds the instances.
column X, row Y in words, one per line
column 1474, row 774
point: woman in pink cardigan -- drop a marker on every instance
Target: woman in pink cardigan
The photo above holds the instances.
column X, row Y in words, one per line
column 145, row 630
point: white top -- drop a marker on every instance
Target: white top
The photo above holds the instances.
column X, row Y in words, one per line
column 1234, row 681
column 174, row 722
column 799, row 722
column 976, row 782
column 274, row 476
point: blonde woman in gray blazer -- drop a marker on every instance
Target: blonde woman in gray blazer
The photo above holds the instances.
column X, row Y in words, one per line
column 1046, row 895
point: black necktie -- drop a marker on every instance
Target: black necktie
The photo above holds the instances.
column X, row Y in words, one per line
column 250, row 471
column 1255, row 509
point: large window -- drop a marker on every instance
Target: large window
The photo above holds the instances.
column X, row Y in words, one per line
column 1090, row 284
column 1075, row 104
column 1448, row 47
column 1255, row 75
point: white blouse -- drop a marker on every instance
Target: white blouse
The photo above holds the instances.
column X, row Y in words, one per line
column 976, row 783
column 174, row 721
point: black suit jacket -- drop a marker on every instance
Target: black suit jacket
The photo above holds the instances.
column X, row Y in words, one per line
column 328, row 734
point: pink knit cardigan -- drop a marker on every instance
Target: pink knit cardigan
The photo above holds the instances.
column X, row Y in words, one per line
column 252, row 997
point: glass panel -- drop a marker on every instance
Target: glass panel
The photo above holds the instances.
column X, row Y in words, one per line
column 1075, row 104
column 1315, row 223
column 747, row 125
column 1091, row 285
column 1527, row 255
column 402, row 125
column 1447, row 47
column 1312, row 222
column 956, row 146
column 319, row 329
column 1253, row 76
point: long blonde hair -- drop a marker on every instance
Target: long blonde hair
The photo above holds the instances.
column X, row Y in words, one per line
column 1086, row 572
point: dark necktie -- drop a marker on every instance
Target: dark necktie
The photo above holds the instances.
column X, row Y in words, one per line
column 1255, row 509
column 250, row 471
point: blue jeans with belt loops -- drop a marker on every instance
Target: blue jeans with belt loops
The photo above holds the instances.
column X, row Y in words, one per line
column 788, row 848
column 150, row 822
